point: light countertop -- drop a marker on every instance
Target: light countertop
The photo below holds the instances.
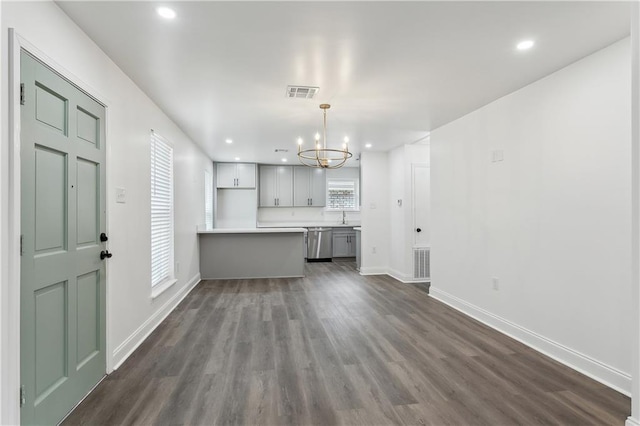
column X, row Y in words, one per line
column 357, row 228
column 251, row 230
column 265, row 225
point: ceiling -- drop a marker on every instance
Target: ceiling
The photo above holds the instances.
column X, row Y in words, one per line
column 392, row 71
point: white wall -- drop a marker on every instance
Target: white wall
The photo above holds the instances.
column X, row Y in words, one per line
column 398, row 242
column 130, row 116
column 552, row 221
column 634, row 419
column 236, row 208
column 375, row 214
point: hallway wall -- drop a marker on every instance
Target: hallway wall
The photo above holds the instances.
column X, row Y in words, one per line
column 132, row 313
column 551, row 222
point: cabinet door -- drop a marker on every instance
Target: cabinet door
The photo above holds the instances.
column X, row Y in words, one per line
column 226, row 175
column 318, row 187
column 268, row 186
column 351, row 241
column 246, row 175
column 284, row 189
column 340, row 245
column 301, row 180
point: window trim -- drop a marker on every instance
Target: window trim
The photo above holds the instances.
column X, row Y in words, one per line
column 356, row 195
column 168, row 279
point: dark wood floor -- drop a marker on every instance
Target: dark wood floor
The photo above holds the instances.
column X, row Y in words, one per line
column 338, row 348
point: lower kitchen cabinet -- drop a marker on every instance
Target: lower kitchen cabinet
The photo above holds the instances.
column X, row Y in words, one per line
column 344, row 242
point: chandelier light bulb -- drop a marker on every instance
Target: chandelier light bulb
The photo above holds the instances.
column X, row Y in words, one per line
column 299, row 141
column 317, row 136
column 346, row 139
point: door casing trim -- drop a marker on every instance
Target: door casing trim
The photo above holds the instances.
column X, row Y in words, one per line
column 10, row 335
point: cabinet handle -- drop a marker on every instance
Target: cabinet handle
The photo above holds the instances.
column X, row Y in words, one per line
column 275, row 202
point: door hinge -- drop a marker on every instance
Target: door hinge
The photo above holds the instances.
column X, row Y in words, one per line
column 21, row 93
column 23, row 396
column 21, row 245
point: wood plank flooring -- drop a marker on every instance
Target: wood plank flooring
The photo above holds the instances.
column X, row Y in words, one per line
column 338, row 348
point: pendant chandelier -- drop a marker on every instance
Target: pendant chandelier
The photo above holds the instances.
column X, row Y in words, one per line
column 322, row 157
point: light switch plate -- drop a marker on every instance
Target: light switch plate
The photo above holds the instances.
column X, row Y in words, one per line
column 121, row 195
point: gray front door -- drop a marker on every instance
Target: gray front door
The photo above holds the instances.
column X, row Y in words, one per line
column 63, row 291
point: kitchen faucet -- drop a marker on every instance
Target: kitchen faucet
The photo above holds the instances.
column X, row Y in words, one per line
column 344, row 217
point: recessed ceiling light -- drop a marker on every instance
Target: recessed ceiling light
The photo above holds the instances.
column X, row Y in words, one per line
column 166, row 12
column 229, row 141
column 368, row 145
column 525, row 44
column 284, row 160
column 237, row 158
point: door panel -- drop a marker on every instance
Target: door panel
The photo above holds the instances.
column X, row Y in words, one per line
column 246, row 174
column 51, row 108
column 88, row 334
column 318, row 188
column 88, row 126
column 268, row 186
column 50, row 200
column 301, row 186
column 63, row 288
column 51, row 336
column 284, row 185
column 87, row 205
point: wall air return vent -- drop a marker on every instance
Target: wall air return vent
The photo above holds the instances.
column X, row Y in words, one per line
column 421, row 263
column 301, row 92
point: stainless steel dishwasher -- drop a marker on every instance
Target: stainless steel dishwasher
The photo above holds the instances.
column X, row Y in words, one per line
column 319, row 245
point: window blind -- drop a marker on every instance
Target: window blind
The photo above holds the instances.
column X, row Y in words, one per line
column 208, row 199
column 161, row 210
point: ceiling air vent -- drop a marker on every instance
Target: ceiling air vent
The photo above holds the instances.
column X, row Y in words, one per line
column 281, row 150
column 301, row 92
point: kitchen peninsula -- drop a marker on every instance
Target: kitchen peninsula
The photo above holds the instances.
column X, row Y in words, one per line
column 251, row 253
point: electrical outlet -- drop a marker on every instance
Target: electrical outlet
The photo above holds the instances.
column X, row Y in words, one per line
column 495, row 282
column 373, row 250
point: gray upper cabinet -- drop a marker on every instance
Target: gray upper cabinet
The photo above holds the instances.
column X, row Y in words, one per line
column 309, row 187
column 236, row 175
column 276, row 186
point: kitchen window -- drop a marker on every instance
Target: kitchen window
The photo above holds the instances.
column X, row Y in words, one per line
column 162, row 271
column 342, row 194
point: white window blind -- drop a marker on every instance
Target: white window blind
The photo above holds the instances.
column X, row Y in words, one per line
column 342, row 194
column 208, row 199
column 161, row 210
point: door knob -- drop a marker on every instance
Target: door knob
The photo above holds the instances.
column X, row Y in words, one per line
column 103, row 237
column 418, row 230
column 105, row 253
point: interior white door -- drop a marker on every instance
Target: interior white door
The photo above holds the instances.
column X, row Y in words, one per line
column 421, row 204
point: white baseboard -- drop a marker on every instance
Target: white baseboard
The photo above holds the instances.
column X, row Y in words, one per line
column 586, row 365
column 632, row 422
column 373, row 270
column 404, row 278
column 131, row 343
